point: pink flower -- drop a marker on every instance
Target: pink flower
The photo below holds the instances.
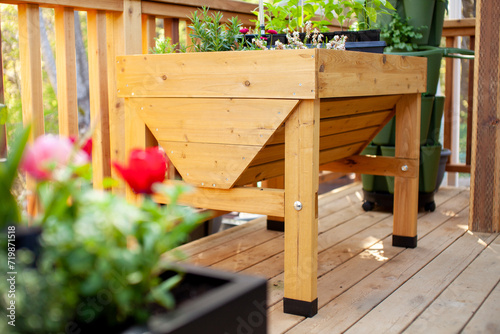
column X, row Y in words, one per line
column 263, row 38
column 244, row 30
column 49, row 153
column 272, row 32
column 145, row 167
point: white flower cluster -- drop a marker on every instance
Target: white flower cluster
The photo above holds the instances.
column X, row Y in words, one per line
column 338, row 43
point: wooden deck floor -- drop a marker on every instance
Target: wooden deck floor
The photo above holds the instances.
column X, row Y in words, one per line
column 448, row 284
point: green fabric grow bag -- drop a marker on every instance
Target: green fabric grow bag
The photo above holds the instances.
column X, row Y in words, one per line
column 436, row 120
column 425, row 117
column 373, row 182
column 420, row 14
column 429, row 165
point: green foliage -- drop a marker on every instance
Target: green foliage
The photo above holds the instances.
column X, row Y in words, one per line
column 364, row 12
column 210, row 34
column 290, row 16
column 9, row 209
column 399, row 34
column 163, row 45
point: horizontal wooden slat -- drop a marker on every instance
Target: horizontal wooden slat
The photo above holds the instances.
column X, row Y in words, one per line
column 111, row 5
column 242, row 199
column 346, row 138
column 350, row 123
column 262, row 172
column 458, row 168
column 461, row 27
column 344, row 74
column 228, row 5
column 223, row 121
column 375, row 165
column 337, row 153
column 346, row 106
column 277, row 151
column 184, row 12
column 285, row 74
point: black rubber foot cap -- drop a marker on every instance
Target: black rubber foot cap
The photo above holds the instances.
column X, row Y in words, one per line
column 402, row 241
column 276, row 225
column 300, row 307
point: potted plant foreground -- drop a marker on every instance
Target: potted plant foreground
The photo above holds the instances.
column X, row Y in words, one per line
column 99, row 264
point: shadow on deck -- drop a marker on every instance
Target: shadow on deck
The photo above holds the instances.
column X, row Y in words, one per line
column 448, row 284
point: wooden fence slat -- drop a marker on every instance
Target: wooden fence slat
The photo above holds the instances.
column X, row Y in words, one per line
column 67, row 98
column 148, row 32
column 98, row 84
column 31, row 84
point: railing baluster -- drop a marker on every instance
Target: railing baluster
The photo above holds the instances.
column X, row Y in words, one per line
column 98, row 84
column 31, row 85
column 148, row 32
column 66, row 71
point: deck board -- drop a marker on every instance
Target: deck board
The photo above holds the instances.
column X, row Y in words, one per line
column 365, row 284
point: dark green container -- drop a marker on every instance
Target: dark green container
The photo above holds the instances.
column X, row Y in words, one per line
column 387, row 135
column 428, row 171
column 437, row 23
column 436, row 120
column 389, row 151
column 373, row 182
column 420, row 14
column 429, row 166
column 425, row 117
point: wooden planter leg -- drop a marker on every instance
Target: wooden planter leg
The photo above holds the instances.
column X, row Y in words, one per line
column 301, row 209
column 406, row 188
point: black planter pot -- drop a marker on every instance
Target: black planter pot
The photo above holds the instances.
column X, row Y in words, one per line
column 229, row 303
column 361, row 41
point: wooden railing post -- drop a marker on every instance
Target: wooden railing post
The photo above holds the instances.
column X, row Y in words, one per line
column 123, row 37
column 66, row 71
column 98, row 84
column 148, row 32
column 485, row 176
column 31, row 83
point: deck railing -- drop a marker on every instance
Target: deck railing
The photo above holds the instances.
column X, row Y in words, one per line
column 115, row 27
column 452, row 31
column 118, row 27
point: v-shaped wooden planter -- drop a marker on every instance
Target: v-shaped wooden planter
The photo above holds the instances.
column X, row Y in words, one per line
column 229, row 119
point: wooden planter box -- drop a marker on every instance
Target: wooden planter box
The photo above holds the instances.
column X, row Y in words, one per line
column 229, row 119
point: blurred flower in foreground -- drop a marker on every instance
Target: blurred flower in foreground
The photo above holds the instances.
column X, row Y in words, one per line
column 145, row 167
column 49, row 153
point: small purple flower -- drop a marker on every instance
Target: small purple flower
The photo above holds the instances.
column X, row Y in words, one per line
column 244, row 30
column 272, row 32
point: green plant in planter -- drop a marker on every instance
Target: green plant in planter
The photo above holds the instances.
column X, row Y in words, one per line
column 362, row 12
column 163, row 45
column 209, row 34
column 285, row 17
column 399, row 35
column 100, row 256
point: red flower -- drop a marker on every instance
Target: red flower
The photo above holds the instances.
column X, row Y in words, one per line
column 87, row 147
column 271, row 31
column 145, row 167
column 244, row 30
